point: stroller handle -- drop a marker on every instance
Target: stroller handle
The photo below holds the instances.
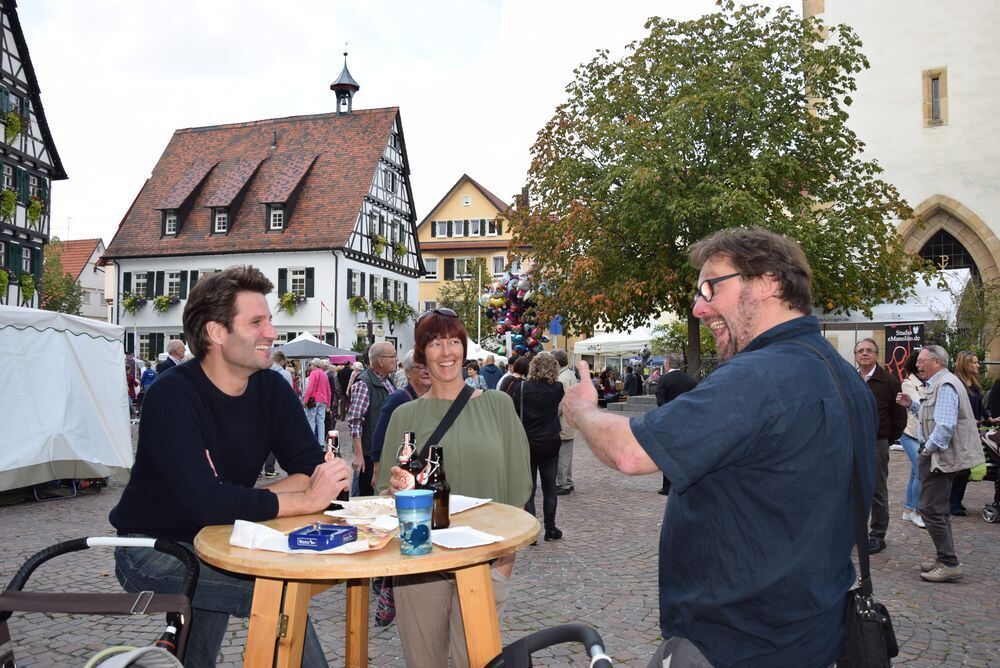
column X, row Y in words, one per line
column 518, row 653
column 191, row 565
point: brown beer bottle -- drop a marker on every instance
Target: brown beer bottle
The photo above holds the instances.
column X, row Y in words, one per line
column 432, row 478
column 408, row 459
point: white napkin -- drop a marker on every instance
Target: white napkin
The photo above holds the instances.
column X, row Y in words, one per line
column 459, row 503
column 458, row 537
column 255, row 536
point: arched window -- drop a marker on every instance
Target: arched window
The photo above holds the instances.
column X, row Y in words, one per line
column 946, row 251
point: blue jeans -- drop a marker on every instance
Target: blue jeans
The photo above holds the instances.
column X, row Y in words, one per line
column 316, row 417
column 912, row 449
column 218, row 595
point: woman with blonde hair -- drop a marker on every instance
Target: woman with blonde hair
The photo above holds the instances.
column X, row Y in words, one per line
column 912, row 386
column 967, row 370
column 536, row 400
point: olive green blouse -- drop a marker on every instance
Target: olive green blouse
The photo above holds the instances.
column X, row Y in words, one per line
column 485, row 450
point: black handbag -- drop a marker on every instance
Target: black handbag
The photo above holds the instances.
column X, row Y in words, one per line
column 869, row 639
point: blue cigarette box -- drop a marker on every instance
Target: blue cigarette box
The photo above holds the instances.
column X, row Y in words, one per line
column 321, row 537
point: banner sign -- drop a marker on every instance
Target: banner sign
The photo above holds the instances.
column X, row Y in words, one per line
column 900, row 342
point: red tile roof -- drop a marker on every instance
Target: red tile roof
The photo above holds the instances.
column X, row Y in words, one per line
column 192, row 177
column 500, row 205
column 343, row 151
column 75, row 255
column 234, row 175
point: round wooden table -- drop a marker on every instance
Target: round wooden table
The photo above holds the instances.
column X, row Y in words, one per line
column 286, row 581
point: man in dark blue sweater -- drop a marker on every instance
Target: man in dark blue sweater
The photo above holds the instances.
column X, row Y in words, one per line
column 206, row 430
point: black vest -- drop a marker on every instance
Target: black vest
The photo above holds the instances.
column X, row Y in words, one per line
column 377, row 394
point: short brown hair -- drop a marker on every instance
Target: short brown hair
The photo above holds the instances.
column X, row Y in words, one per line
column 437, row 326
column 755, row 252
column 213, row 299
column 544, row 368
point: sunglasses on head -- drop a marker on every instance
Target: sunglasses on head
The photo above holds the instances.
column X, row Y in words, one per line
column 440, row 311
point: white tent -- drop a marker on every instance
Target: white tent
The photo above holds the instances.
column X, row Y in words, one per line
column 475, row 352
column 929, row 303
column 64, row 407
column 615, row 342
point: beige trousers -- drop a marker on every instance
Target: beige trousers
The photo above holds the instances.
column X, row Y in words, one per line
column 429, row 618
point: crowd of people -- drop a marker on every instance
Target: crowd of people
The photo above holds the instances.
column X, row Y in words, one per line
column 764, row 586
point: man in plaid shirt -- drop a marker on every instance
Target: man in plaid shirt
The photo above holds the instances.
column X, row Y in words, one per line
column 369, row 392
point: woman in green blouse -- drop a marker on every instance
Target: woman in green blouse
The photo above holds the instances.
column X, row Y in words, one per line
column 485, row 456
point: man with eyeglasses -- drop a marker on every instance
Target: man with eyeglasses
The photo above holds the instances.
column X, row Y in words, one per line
column 756, row 540
column 368, row 394
column 891, row 423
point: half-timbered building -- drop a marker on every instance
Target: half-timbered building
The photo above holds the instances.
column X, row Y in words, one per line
column 321, row 204
column 28, row 165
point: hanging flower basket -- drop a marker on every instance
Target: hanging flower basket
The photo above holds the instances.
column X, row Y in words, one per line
column 378, row 244
column 400, row 312
column 380, row 308
column 399, row 249
column 8, row 204
column 12, row 125
column 357, row 304
column 163, row 303
column 132, row 302
column 289, row 301
column 4, row 284
column 35, row 209
column 27, row 287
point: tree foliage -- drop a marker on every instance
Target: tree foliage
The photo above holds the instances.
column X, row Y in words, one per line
column 60, row 291
column 461, row 295
column 734, row 119
column 673, row 338
column 977, row 318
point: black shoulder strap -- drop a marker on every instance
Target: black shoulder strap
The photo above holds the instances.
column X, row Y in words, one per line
column 449, row 418
column 860, row 512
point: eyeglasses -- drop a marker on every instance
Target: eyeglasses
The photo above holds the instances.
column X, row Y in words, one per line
column 441, row 311
column 706, row 290
column 865, row 351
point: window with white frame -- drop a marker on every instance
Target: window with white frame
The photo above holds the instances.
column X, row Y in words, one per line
column 462, row 267
column 3, row 254
column 397, row 291
column 173, row 284
column 430, row 305
column 498, row 264
column 170, row 222
column 515, row 265
column 458, row 228
column 143, row 352
column 442, row 228
column 139, row 283
column 26, row 260
column 297, row 281
column 8, row 177
column 372, row 224
column 389, row 180
column 491, row 228
column 32, row 185
column 221, row 221
column 474, row 227
column 466, row 200
column 356, row 283
column 276, row 219
column 15, row 104
column 431, row 265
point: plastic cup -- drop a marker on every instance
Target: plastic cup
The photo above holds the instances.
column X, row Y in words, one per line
column 413, row 508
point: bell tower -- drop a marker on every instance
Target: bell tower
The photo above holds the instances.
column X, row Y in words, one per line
column 345, row 87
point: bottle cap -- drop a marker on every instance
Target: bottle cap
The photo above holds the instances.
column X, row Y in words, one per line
column 414, row 498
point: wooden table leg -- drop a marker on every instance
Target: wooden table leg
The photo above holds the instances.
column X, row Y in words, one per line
column 263, row 630
column 479, row 613
column 296, row 606
column 356, row 650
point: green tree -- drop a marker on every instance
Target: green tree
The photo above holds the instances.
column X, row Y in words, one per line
column 461, row 295
column 734, row 119
column 673, row 338
column 60, row 291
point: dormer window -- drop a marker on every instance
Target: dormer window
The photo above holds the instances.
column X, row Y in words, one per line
column 220, row 223
column 170, row 222
column 276, row 217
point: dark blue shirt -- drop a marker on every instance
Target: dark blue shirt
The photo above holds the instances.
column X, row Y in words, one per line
column 492, row 374
column 392, row 402
column 755, row 549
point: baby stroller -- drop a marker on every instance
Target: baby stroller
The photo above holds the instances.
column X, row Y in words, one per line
column 176, row 606
column 991, row 446
column 518, row 653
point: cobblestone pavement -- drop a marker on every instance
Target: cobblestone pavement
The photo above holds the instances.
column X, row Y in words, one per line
column 603, row 573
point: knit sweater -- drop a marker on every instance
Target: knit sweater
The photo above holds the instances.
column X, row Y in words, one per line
column 200, row 451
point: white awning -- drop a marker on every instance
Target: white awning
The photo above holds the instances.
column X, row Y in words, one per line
column 615, row 342
column 929, row 303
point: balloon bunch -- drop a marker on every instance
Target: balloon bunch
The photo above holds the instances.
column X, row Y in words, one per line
column 509, row 302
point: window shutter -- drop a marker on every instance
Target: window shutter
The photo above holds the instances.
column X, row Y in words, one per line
column 361, row 283
column 184, row 285
column 350, row 283
column 149, row 284
column 385, row 289
column 36, row 265
column 193, row 277
column 282, row 281
column 14, row 253
column 310, row 282
column 499, row 227
column 159, row 290
column 130, row 342
column 4, row 100
column 26, row 115
column 21, row 184
column 482, row 227
column 160, row 346
column 449, row 269
column 373, row 293
column 434, row 228
column 127, row 282
column 406, row 299
column 43, row 192
column 450, row 229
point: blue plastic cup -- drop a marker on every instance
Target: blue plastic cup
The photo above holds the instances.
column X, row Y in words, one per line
column 413, row 508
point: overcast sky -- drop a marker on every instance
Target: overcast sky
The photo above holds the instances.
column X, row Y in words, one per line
column 474, row 80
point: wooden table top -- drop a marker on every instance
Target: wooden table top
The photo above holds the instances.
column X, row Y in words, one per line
column 516, row 526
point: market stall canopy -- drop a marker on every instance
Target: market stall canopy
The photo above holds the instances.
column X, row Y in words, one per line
column 929, row 303
column 615, row 342
column 65, row 408
column 307, row 346
column 475, row 352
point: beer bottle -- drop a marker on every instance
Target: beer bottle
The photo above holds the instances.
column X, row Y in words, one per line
column 332, row 452
column 168, row 640
column 432, row 478
column 408, row 459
